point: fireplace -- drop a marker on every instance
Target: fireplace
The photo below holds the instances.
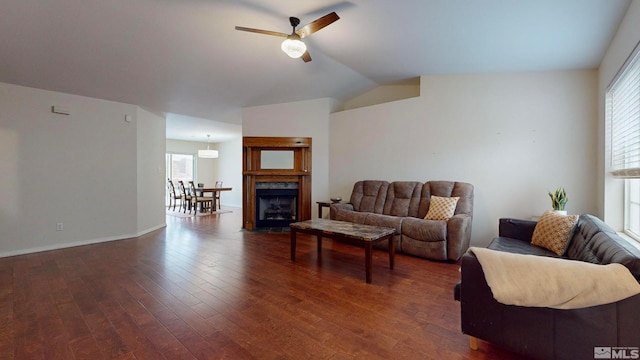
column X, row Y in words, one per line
column 276, row 181
column 276, row 204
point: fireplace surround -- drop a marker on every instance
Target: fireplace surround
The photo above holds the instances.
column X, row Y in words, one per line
column 276, row 183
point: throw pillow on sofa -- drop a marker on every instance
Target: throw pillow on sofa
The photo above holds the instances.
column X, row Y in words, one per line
column 441, row 208
column 553, row 231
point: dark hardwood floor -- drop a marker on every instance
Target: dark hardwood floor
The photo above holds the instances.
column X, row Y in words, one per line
column 202, row 288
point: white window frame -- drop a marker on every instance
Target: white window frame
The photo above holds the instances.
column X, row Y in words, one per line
column 169, row 168
column 622, row 113
column 632, row 208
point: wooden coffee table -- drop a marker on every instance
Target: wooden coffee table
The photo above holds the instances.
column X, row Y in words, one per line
column 349, row 232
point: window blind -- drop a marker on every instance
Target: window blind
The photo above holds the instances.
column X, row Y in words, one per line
column 623, row 112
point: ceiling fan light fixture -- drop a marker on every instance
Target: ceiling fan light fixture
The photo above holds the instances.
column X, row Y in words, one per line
column 293, row 46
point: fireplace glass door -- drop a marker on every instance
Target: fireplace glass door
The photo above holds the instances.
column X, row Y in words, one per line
column 276, row 204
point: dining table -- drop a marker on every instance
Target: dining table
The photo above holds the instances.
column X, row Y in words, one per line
column 213, row 190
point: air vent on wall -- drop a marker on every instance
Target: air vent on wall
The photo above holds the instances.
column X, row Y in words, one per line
column 60, row 110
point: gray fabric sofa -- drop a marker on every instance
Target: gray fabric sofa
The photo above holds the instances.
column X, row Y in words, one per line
column 403, row 205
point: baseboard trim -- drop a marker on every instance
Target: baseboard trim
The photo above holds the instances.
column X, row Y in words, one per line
column 79, row 243
column 143, row 232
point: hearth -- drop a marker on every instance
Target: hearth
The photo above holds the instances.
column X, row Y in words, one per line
column 276, row 204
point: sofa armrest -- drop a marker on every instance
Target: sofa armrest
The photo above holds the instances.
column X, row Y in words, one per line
column 458, row 235
column 525, row 330
column 516, row 229
column 480, row 313
column 334, row 208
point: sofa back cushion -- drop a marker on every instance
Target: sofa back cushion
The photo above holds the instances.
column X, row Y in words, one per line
column 403, row 198
column 369, row 195
column 595, row 242
column 447, row 189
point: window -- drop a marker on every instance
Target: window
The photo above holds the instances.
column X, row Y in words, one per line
column 622, row 109
column 180, row 167
column 632, row 208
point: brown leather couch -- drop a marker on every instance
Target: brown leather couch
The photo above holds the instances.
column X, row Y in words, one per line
column 403, row 205
column 545, row 333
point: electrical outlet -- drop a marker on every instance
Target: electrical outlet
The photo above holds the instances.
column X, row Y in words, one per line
column 59, row 227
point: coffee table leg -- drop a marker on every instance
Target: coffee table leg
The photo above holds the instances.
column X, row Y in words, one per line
column 392, row 251
column 319, row 245
column 367, row 261
column 293, row 244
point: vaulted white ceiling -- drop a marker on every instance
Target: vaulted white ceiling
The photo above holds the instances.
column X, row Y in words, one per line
column 185, row 57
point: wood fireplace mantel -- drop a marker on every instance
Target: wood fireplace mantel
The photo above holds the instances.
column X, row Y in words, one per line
column 275, row 159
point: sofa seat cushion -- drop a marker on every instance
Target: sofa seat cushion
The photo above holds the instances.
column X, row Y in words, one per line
column 424, row 230
column 519, row 247
column 386, row 221
column 424, row 238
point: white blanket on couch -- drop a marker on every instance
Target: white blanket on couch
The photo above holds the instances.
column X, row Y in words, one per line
column 539, row 281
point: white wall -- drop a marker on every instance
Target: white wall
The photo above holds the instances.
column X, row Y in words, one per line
column 513, row 136
column 302, row 118
column 383, row 94
column 151, row 130
column 227, row 167
column 610, row 190
column 80, row 170
column 230, row 169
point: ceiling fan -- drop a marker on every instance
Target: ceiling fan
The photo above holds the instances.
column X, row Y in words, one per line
column 293, row 44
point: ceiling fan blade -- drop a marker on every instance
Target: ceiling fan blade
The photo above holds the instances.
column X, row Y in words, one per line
column 306, row 57
column 317, row 24
column 265, row 32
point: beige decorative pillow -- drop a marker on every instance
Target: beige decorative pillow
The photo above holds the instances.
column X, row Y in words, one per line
column 553, row 231
column 442, row 208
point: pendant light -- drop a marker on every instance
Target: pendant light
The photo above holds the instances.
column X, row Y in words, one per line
column 208, row 154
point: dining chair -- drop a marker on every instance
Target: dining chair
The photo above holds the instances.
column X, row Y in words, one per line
column 217, row 194
column 186, row 196
column 174, row 195
column 201, row 202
